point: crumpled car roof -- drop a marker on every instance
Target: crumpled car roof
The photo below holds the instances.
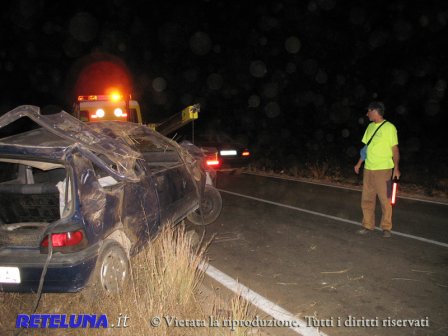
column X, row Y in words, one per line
column 116, row 140
column 77, row 132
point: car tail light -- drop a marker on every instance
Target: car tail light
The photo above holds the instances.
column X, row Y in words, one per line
column 65, row 241
column 212, row 163
column 211, row 159
column 245, row 153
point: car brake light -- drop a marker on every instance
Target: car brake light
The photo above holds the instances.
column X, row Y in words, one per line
column 245, row 153
column 64, row 239
column 212, row 163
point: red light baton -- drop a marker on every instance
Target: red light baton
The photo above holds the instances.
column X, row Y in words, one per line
column 394, row 191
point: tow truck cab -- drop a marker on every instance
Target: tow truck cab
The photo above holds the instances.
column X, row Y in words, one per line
column 94, row 108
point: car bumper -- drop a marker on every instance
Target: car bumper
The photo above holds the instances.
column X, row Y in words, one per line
column 229, row 163
column 66, row 272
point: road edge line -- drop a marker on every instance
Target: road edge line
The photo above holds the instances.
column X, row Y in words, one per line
column 426, row 240
column 259, row 301
column 290, row 178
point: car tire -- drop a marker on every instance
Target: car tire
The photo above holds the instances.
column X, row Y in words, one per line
column 112, row 267
column 211, row 205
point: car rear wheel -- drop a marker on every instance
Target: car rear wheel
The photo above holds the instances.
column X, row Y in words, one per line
column 112, row 267
column 211, row 205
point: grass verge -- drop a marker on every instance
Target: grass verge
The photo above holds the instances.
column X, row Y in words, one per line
column 162, row 297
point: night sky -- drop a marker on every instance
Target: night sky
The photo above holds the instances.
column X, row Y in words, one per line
column 291, row 79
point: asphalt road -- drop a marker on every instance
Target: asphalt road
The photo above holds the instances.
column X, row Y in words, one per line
column 295, row 244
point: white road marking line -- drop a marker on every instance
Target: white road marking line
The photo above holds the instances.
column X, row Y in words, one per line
column 286, row 178
column 430, row 241
column 261, row 302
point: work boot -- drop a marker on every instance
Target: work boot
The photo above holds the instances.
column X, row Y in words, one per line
column 387, row 234
column 363, row 231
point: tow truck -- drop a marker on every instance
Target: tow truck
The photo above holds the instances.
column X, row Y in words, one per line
column 114, row 106
column 118, row 107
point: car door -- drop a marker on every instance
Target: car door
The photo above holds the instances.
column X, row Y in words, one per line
column 110, row 204
column 171, row 183
column 141, row 209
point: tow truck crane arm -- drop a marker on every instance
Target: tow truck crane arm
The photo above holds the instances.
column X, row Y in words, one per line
column 177, row 120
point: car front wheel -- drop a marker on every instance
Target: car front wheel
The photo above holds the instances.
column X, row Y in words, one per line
column 211, row 205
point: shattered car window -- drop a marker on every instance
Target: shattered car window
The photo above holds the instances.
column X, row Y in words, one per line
column 35, row 195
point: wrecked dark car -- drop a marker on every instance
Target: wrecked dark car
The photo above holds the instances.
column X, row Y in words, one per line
column 77, row 199
column 230, row 154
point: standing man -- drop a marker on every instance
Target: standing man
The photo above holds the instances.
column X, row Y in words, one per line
column 380, row 166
